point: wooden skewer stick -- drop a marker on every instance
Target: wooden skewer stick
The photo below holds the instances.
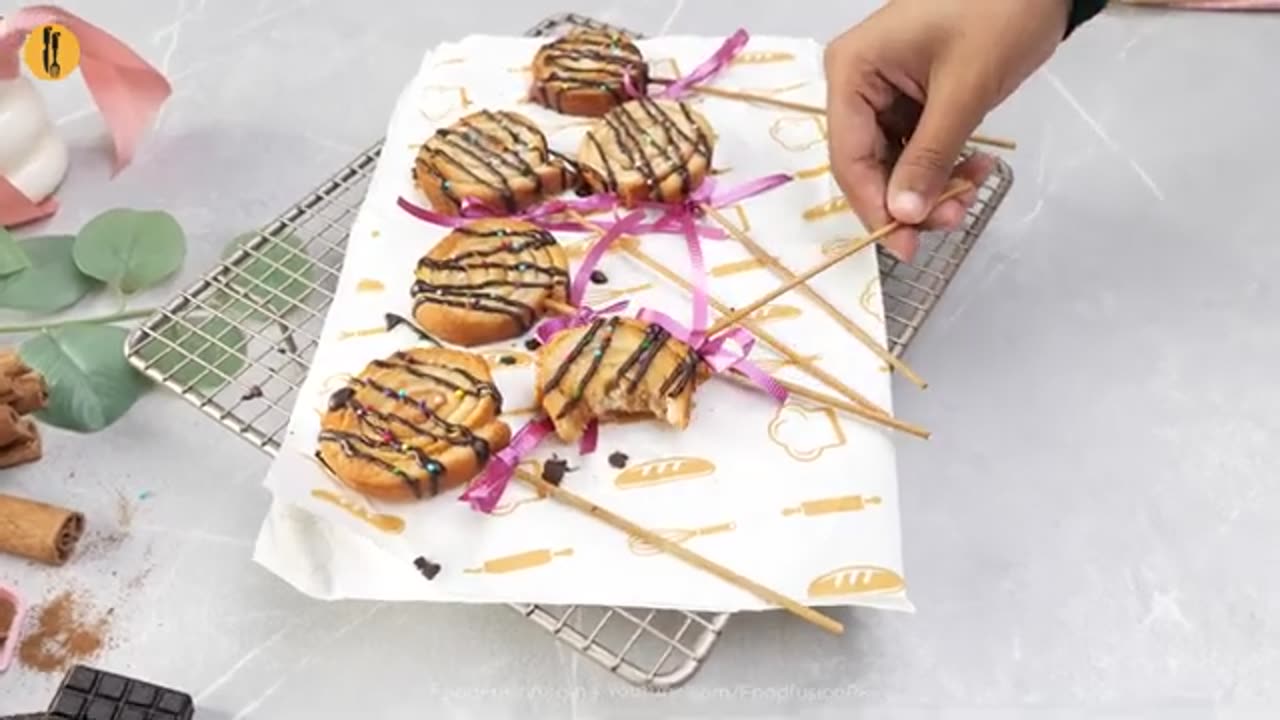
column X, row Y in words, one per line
column 785, row 350
column 759, row 253
column 804, row 392
column 861, row 406
column 672, row 548
column 839, row 404
column 976, row 139
column 814, row 109
column 957, row 189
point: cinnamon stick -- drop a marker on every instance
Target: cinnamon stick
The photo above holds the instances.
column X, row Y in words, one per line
column 21, row 387
column 37, row 531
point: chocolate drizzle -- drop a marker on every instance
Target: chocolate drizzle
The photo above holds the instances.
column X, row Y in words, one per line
column 589, row 60
column 491, row 150
column 394, row 321
column 632, row 370
column 508, row 265
column 385, row 437
column 651, row 140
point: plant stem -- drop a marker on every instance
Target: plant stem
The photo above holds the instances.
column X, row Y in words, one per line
column 99, row 320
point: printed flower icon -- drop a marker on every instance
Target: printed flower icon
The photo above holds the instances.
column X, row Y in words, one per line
column 806, row 432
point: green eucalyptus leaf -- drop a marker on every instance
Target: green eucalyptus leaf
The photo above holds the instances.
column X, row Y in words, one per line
column 203, row 355
column 12, row 258
column 131, row 249
column 53, row 281
column 275, row 278
column 90, row 383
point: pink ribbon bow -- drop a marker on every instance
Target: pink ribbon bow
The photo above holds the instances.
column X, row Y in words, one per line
column 127, row 90
column 709, row 68
column 683, row 218
column 486, row 489
column 718, row 353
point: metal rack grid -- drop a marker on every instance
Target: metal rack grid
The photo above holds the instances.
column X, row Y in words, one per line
column 238, row 343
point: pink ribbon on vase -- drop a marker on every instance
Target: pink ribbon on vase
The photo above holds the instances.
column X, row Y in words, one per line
column 126, row 89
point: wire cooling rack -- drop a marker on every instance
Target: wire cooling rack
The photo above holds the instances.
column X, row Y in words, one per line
column 238, row 344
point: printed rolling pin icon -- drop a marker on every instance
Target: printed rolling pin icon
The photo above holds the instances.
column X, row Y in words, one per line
column 826, row 506
column 518, row 562
column 640, row 546
column 665, row 470
column 856, row 580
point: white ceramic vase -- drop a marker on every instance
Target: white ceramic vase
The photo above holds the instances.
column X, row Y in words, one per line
column 32, row 156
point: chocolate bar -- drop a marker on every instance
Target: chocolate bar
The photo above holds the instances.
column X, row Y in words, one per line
column 90, row 694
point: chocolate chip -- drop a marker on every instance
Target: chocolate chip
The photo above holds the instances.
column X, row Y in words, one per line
column 341, row 397
column 618, row 459
column 507, row 360
column 532, row 344
column 554, row 469
column 253, row 393
column 428, row 569
column 599, row 277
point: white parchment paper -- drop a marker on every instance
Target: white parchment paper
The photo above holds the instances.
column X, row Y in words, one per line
column 800, row 498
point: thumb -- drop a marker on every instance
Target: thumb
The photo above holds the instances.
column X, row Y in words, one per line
column 951, row 113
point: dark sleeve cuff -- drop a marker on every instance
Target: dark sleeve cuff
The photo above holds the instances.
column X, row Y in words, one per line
column 1082, row 10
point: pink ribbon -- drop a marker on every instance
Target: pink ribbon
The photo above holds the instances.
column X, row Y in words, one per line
column 486, row 489
column 717, row 352
column 709, row 68
column 127, row 90
column 541, row 215
column 682, row 218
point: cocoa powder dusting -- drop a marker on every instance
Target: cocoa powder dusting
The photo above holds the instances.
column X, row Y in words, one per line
column 62, row 635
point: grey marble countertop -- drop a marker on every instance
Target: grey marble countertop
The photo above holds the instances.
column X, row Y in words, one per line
column 1089, row 533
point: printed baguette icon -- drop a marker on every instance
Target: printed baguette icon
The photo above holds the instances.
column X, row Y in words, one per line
column 369, row 285
column 666, row 470
column 856, row 580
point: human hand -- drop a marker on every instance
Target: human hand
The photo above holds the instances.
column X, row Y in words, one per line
column 909, row 85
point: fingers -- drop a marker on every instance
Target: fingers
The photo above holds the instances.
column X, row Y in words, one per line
column 952, row 111
column 857, row 147
column 950, row 215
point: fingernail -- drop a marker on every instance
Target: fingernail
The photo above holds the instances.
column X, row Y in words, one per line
column 907, row 206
